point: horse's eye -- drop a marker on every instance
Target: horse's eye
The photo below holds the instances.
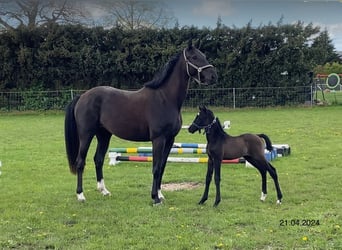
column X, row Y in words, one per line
column 195, row 57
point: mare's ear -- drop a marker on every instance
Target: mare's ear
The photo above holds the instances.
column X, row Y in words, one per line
column 198, row 44
column 190, row 44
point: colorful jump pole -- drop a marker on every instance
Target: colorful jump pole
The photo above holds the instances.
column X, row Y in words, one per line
column 115, row 158
column 149, row 150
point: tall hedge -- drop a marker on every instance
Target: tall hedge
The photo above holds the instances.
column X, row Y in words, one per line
column 71, row 56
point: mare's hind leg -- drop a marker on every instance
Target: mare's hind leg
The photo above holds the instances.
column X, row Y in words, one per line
column 103, row 139
column 168, row 146
column 80, row 164
column 208, row 178
column 262, row 170
column 273, row 173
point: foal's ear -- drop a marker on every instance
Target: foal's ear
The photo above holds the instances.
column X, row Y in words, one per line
column 202, row 107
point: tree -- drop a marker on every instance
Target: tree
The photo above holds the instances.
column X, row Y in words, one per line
column 137, row 14
column 34, row 13
column 323, row 49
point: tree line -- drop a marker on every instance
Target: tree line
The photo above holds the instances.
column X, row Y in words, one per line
column 70, row 56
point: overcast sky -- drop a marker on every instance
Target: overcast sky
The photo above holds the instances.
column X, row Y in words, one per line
column 324, row 13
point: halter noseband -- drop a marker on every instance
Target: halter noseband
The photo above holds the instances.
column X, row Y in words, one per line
column 205, row 127
column 199, row 69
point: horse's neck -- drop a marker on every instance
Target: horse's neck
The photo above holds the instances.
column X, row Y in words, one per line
column 216, row 134
column 176, row 87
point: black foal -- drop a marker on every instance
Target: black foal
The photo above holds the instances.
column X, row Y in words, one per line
column 221, row 146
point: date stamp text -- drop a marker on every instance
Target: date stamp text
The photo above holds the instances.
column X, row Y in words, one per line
column 299, row 222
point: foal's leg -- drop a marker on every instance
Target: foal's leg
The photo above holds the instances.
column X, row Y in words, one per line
column 208, row 178
column 167, row 149
column 217, row 167
column 103, row 139
column 158, row 147
column 262, row 170
column 273, row 173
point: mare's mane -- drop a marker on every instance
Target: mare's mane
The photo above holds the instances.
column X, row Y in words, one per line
column 162, row 75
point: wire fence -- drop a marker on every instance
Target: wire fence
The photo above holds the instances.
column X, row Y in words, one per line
column 225, row 97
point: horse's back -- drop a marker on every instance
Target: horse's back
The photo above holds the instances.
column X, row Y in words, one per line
column 120, row 112
column 106, row 98
column 138, row 115
column 244, row 144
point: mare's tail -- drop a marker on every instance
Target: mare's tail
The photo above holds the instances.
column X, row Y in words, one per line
column 71, row 135
column 269, row 146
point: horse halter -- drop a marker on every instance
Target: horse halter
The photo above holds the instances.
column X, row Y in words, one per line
column 205, row 127
column 199, row 69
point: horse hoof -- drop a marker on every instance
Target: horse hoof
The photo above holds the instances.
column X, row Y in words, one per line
column 102, row 188
column 160, row 195
column 263, row 197
column 105, row 192
column 201, row 202
column 157, row 204
column 81, row 197
column 278, row 202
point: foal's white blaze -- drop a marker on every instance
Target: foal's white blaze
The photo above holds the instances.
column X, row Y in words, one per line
column 81, row 197
column 102, row 188
column 160, row 195
column 263, row 196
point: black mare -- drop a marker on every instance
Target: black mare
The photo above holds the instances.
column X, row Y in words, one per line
column 152, row 113
column 221, row 146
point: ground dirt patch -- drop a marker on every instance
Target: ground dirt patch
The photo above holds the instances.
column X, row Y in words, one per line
column 180, row 186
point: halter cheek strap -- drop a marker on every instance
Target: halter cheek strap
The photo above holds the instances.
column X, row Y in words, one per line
column 199, row 69
column 206, row 127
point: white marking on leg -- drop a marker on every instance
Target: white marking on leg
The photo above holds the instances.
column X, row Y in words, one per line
column 81, row 197
column 278, row 202
column 160, row 195
column 102, row 188
column 263, row 196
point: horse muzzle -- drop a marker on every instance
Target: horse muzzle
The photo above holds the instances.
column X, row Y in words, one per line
column 192, row 129
column 208, row 77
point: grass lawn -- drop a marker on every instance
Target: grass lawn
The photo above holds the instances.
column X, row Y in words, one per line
column 330, row 97
column 39, row 210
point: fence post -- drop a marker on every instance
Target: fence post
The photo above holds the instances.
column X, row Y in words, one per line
column 311, row 94
column 234, row 98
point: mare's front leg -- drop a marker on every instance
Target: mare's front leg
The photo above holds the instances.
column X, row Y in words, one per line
column 158, row 147
column 208, row 178
column 167, row 149
column 217, row 168
column 103, row 139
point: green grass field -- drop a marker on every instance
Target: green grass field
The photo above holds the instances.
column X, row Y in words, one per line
column 39, row 210
column 329, row 97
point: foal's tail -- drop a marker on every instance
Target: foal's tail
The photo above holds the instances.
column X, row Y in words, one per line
column 269, row 146
column 71, row 135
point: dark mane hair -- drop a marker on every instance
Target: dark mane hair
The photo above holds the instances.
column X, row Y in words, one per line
column 220, row 128
column 162, row 75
